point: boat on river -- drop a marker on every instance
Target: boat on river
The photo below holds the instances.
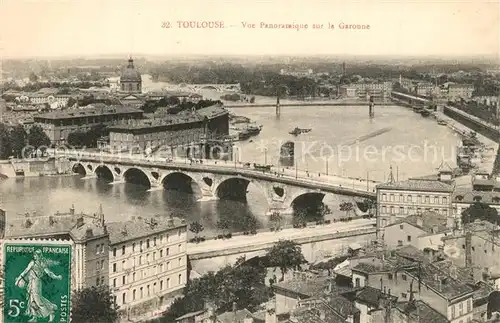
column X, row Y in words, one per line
column 297, row 131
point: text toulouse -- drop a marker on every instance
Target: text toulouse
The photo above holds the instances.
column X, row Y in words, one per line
column 264, row 25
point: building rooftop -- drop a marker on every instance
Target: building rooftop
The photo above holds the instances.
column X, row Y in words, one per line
column 319, row 311
column 169, row 119
column 430, row 222
column 234, row 317
column 425, row 312
column 305, row 287
column 371, row 296
column 141, row 227
column 469, row 196
column 418, row 184
column 70, row 114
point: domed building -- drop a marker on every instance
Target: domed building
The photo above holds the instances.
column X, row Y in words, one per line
column 130, row 80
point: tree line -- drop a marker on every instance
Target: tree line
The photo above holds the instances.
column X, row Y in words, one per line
column 88, row 138
column 17, row 142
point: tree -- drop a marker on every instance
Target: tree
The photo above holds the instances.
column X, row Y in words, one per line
column 348, row 207
column 71, row 102
column 38, row 139
column 196, row 228
column 480, row 211
column 5, row 143
column 285, row 255
column 94, row 304
column 252, row 99
column 249, row 223
column 18, row 140
column 223, row 225
column 33, row 77
column 300, row 218
column 276, row 219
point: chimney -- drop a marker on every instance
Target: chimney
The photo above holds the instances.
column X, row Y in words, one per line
column 89, row 233
column 79, row 222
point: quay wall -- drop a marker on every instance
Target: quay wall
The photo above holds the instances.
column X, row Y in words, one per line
column 32, row 167
column 468, row 122
column 314, row 248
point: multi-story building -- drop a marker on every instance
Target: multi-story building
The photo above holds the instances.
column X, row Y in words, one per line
column 144, row 261
column 463, row 198
column 460, row 91
column 423, row 231
column 298, row 73
column 396, row 200
column 439, row 285
column 181, row 130
column 59, row 124
column 347, row 91
column 148, row 262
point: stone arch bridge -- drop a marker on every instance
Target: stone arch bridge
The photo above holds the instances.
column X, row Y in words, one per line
column 212, row 182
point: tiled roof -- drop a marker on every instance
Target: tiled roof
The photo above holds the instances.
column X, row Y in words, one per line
column 306, row 287
column 426, row 313
column 70, row 114
column 237, row 317
column 414, row 184
column 427, row 221
column 371, row 296
column 432, row 276
column 371, row 268
column 140, row 227
column 317, row 314
column 468, row 196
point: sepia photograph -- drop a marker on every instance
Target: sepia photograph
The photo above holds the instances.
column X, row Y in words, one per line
column 321, row 161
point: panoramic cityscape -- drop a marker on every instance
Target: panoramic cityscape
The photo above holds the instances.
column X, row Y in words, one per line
column 212, row 178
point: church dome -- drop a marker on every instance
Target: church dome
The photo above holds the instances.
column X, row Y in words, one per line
column 130, row 74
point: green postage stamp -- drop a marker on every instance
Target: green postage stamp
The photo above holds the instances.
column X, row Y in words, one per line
column 37, row 282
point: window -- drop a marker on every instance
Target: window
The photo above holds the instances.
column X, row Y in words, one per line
column 161, row 268
column 168, row 265
column 97, row 249
column 384, row 197
column 408, row 238
column 114, row 267
column 147, row 258
column 154, row 256
column 168, row 282
column 400, row 243
column 180, row 248
column 114, row 282
column 461, row 309
column 401, row 198
column 161, row 284
column 409, row 198
column 154, row 288
column 403, row 277
column 392, row 210
column 98, row 281
column 384, row 209
column 133, row 277
column 427, row 199
column 445, row 200
column 133, row 295
column 102, row 248
column 469, row 305
column 179, row 233
column 140, row 245
column 180, row 279
column 403, row 295
column 161, row 253
column 154, row 241
column 123, row 250
column 436, row 200
column 180, row 262
column 133, row 247
column 147, row 243
column 167, row 237
column 168, row 251
column 401, row 227
column 140, row 260
column 123, row 280
column 389, row 276
column 358, row 282
column 401, row 210
column 123, row 265
column 114, row 252
column 141, row 292
column 148, row 289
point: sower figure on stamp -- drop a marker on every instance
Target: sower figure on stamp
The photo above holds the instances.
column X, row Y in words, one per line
column 37, row 305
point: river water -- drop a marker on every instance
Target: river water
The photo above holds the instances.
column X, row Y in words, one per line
column 344, row 139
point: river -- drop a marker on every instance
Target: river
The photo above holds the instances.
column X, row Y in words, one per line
column 395, row 137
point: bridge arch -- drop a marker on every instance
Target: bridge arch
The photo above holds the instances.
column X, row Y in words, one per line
column 104, row 172
column 78, row 168
column 210, row 87
column 307, row 199
column 137, row 176
column 180, row 181
column 236, row 188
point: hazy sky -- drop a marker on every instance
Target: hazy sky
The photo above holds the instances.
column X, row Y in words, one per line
column 398, row 27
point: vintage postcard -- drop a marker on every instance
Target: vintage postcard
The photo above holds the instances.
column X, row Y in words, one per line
column 322, row 161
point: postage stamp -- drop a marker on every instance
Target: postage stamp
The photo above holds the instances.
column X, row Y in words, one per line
column 37, row 282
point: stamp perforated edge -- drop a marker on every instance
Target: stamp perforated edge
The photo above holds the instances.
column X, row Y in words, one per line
column 37, row 241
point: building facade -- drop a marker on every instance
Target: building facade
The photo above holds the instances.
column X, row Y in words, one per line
column 181, row 130
column 148, row 262
column 397, row 200
column 59, row 124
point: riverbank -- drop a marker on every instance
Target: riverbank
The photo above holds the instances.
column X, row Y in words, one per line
column 14, row 168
